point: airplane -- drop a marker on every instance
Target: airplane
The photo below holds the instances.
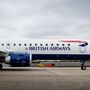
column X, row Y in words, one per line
column 21, row 53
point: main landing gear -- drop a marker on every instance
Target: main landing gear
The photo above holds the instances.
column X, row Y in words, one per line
column 1, row 66
column 82, row 65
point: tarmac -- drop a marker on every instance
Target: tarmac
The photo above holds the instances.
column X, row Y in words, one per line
column 42, row 78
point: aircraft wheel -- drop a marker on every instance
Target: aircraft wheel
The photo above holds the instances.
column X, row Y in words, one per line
column 83, row 68
column 1, row 66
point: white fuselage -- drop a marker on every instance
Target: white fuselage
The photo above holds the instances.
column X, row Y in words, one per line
column 20, row 53
column 45, row 46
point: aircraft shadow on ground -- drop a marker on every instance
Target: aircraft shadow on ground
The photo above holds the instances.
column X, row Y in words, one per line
column 21, row 69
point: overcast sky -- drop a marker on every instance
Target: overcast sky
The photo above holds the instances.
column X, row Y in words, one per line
column 45, row 19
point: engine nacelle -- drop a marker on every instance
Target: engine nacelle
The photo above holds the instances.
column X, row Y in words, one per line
column 18, row 60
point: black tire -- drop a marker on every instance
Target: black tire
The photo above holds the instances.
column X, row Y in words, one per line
column 1, row 66
column 83, row 67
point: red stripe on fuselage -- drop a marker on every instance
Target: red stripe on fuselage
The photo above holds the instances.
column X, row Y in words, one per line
column 75, row 41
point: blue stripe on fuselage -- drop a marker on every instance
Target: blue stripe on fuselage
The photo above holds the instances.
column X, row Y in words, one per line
column 60, row 56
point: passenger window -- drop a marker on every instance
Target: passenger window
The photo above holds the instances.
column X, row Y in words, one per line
column 35, row 44
column 14, row 44
column 57, row 44
column 51, row 44
column 30, row 44
column 63, row 44
column 68, row 44
column 46, row 44
column 2, row 44
column 19, row 44
column 25, row 44
column 41, row 44
column 8, row 44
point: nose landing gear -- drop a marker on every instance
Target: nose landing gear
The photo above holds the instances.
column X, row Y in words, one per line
column 83, row 67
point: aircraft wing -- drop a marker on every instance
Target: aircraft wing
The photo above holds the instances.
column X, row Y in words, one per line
column 3, row 53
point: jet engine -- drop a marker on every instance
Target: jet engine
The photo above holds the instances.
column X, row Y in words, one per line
column 18, row 60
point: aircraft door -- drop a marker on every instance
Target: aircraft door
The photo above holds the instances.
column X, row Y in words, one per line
column 82, row 48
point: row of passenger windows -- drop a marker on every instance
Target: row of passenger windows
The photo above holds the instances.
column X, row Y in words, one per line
column 36, row 44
